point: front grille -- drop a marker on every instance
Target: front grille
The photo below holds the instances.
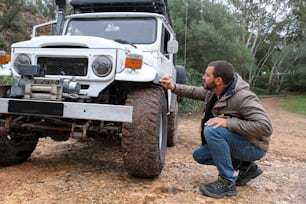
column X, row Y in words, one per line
column 64, row 66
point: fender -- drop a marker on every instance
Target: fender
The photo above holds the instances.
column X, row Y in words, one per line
column 146, row 74
column 5, row 70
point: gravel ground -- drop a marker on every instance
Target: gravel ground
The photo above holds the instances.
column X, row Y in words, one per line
column 92, row 171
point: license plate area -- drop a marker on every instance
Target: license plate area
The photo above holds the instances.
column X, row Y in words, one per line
column 36, row 108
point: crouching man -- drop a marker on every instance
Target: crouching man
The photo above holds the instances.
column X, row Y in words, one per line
column 236, row 129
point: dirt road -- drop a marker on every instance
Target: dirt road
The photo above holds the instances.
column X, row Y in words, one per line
column 93, row 172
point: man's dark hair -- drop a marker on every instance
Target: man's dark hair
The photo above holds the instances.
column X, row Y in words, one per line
column 223, row 69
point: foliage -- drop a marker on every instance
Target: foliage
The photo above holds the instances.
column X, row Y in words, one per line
column 212, row 33
column 12, row 27
column 188, row 105
column 290, row 70
column 6, row 80
column 18, row 17
column 275, row 32
column 295, row 81
column 263, row 36
column 299, row 17
column 45, row 8
column 261, row 86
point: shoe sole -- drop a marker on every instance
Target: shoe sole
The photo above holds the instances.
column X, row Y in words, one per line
column 246, row 180
column 213, row 195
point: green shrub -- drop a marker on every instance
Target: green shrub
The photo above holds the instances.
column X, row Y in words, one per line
column 260, row 91
column 189, row 105
column 295, row 82
column 6, row 80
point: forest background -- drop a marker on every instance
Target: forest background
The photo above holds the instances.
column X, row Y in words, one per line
column 263, row 39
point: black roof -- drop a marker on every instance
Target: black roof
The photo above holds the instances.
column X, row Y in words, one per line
column 153, row 6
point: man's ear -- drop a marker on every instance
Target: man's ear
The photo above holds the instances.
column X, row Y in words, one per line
column 219, row 80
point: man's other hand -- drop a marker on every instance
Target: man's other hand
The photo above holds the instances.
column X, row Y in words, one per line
column 166, row 82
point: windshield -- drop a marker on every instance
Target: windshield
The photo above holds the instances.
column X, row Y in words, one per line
column 132, row 30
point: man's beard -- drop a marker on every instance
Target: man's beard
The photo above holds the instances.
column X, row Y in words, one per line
column 209, row 86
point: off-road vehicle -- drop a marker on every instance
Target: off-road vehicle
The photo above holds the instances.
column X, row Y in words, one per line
column 98, row 73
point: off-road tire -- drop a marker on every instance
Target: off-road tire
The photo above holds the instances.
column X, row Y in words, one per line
column 16, row 148
column 144, row 140
column 181, row 77
column 173, row 126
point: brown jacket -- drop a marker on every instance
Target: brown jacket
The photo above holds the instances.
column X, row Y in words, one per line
column 242, row 108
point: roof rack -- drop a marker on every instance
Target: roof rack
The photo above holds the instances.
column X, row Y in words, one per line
column 153, row 6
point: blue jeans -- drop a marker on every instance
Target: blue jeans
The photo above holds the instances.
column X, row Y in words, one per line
column 225, row 150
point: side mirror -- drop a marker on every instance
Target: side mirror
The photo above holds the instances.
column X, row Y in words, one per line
column 172, row 46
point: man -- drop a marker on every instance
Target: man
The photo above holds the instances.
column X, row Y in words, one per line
column 236, row 129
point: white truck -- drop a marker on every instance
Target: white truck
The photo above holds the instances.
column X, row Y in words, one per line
column 96, row 74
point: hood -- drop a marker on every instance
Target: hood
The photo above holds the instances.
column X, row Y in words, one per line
column 70, row 41
column 82, row 42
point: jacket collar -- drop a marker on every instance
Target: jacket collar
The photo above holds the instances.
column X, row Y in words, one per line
column 230, row 88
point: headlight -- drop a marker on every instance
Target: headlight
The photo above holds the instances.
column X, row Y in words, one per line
column 20, row 60
column 102, row 66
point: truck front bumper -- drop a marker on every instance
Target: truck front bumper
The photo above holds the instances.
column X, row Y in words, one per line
column 60, row 109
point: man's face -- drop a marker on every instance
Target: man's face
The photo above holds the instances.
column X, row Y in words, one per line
column 209, row 79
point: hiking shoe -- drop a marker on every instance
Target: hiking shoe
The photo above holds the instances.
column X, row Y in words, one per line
column 220, row 188
column 246, row 173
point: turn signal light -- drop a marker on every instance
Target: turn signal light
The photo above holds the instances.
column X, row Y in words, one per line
column 133, row 61
column 4, row 58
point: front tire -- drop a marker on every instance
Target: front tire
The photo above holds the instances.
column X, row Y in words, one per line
column 16, row 148
column 144, row 139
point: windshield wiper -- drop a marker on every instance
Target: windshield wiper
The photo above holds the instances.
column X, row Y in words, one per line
column 124, row 42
